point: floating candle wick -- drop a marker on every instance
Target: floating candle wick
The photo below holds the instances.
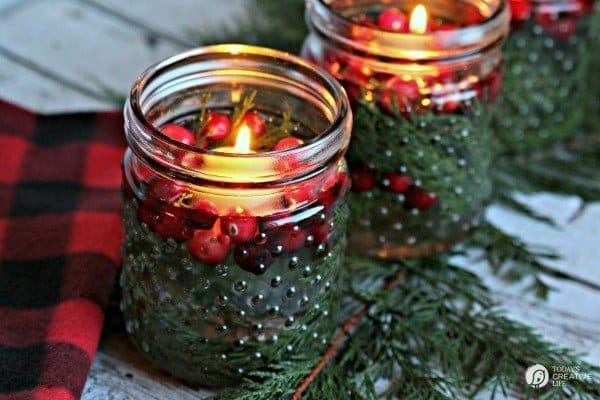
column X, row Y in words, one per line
column 418, row 20
column 242, row 141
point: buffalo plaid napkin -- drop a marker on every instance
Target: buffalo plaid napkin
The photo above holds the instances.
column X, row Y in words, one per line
column 59, row 246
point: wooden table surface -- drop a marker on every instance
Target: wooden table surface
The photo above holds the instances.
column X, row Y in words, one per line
column 67, row 55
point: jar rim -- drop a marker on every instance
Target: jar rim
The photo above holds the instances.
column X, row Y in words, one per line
column 146, row 139
column 323, row 19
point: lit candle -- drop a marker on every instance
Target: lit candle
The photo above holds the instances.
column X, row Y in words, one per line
column 242, row 143
column 418, row 20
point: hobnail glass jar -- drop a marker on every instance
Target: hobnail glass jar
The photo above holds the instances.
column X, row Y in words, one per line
column 204, row 297
column 421, row 147
column 547, row 57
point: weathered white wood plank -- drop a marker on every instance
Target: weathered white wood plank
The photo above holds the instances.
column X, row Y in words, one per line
column 120, row 372
column 576, row 237
column 184, row 16
column 80, row 44
column 30, row 90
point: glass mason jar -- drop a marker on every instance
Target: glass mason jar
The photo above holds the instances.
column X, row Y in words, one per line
column 229, row 258
column 421, row 147
column 547, row 55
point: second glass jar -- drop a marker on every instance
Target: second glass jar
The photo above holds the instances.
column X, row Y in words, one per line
column 421, row 147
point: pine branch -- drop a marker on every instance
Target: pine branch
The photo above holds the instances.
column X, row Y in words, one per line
column 340, row 339
column 435, row 334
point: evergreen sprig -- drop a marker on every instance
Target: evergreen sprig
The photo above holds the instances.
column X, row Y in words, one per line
column 435, row 334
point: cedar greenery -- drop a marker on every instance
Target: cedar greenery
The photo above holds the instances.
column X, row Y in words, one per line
column 427, row 327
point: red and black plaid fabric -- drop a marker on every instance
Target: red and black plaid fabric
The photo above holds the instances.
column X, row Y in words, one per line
column 60, row 234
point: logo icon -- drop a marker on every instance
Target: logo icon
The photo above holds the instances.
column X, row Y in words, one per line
column 537, row 376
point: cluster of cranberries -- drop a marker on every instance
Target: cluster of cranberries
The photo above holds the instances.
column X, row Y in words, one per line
column 444, row 91
column 415, row 197
column 255, row 241
column 558, row 22
column 218, row 126
column 171, row 211
column 393, row 19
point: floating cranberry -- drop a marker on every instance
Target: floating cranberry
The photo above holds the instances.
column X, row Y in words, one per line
column 363, row 180
column 240, row 225
column 335, row 186
column 520, row 9
column 472, row 16
column 300, row 194
column 398, row 95
column 446, row 27
column 397, row 183
column 289, row 142
column 191, row 160
column 147, row 212
column 420, row 199
column 291, row 237
column 363, row 31
column 559, row 28
column 494, row 82
column 320, row 232
column 254, row 121
column 203, row 214
column 209, row 247
column 166, row 190
column 253, row 257
column 584, row 7
column 394, row 20
column 217, row 127
column 179, row 134
column 171, row 223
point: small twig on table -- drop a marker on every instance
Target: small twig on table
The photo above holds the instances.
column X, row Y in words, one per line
column 341, row 336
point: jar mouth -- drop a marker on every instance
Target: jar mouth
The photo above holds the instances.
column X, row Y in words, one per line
column 324, row 18
column 229, row 69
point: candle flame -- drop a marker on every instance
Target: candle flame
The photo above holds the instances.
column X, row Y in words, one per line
column 418, row 20
column 242, row 141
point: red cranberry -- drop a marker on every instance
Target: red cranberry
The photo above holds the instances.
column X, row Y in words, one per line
column 300, row 194
column 494, row 82
column 191, row 160
column 584, row 7
column 397, row 183
column 147, row 212
column 446, row 27
column 142, row 172
column 420, row 199
column 363, row 180
column 166, row 190
column 289, row 142
column 217, row 127
column 254, row 121
column 171, row 223
column 320, row 232
column 472, row 16
column 253, row 257
column 240, row 225
column 335, row 186
column 520, row 9
column 203, row 214
column 209, row 247
column 363, row 31
column 559, row 29
column 355, row 77
column 179, row 134
column 394, row 20
column 398, row 94
column 291, row 236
